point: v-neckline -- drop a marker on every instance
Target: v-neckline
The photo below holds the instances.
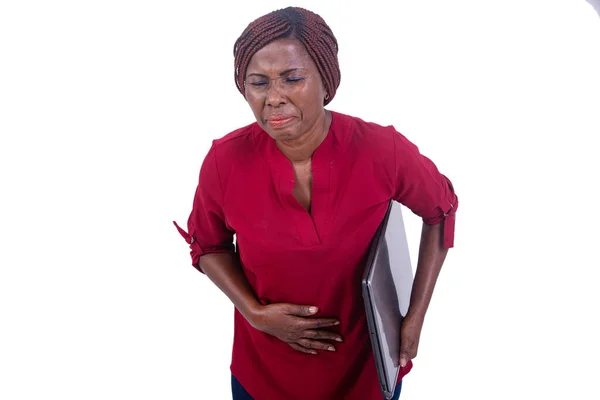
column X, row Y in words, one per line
column 310, row 226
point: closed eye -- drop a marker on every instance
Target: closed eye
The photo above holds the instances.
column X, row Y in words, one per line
column 293, row 80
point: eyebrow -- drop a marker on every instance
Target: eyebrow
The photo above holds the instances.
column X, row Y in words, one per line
column 287, row 71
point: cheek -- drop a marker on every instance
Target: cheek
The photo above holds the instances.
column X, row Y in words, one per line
column 255, row 105
column 307, row 98
column 312, row 103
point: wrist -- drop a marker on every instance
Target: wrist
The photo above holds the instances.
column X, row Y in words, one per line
column 252, row 313
column 415, row 317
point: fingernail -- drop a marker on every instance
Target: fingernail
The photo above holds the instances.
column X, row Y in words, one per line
column 312, row 310
column 331, row 348
column 336, row 323
column 339, row 339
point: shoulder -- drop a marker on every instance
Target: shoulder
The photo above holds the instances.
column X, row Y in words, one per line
column 365, row 135
column 232, row 151
column 359, row 129
column 239, row 139
column 369, row 147
column 236, row 146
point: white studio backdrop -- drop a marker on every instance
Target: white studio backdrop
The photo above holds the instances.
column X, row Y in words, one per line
column 107, row 109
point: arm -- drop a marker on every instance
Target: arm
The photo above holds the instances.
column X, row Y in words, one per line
column 224, row 271
column 211, row 240
column 432, row 254
column 421, row 187
column 431, row 257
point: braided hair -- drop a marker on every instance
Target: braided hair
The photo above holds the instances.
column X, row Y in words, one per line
column 297, row 23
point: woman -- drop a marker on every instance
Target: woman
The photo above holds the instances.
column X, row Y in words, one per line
column 304, row 190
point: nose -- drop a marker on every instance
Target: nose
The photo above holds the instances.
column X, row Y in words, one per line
column 275, row 96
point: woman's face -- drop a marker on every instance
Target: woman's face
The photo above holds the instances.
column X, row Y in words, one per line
column 285, row 90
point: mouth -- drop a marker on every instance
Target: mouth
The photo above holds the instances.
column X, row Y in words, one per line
column 278, row 121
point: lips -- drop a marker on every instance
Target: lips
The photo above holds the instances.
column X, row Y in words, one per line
column 277, row 121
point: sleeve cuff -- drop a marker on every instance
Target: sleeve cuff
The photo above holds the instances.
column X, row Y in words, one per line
column 447, row 217
column 196, row 251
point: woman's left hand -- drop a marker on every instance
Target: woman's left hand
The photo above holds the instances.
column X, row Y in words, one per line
column 410, row 334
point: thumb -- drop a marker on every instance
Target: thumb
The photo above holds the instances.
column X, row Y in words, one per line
column 303, row 311
column 403, row 353
column 403, row 359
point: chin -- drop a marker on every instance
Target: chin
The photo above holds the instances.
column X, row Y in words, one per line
column 280, row 134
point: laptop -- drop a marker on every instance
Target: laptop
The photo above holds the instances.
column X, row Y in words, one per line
column 386, row 287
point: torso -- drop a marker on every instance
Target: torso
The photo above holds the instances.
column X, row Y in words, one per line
column 302, row 236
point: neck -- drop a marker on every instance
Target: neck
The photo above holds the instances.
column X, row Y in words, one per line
column 302, row 148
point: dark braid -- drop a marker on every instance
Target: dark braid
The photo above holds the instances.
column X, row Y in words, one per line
column 292, row 22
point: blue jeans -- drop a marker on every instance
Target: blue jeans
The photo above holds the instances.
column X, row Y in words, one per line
column 239, row 393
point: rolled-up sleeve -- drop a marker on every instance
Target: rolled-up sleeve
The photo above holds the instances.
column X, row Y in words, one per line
column 423, row 189
column 207, row 230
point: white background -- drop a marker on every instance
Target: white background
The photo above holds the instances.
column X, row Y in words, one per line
column 107, row 109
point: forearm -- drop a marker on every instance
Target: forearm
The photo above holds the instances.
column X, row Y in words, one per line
column 225, row 272
column 431, row 258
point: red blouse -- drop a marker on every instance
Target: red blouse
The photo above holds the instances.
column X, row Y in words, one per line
column 317, row 258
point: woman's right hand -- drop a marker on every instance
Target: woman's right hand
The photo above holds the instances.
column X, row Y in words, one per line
column 297, row 326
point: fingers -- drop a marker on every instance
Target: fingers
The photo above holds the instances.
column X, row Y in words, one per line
column 322, row 335
column 301, row 330
column 408, row 351
column 315, row 345
column 310, row 346
column 302, row 349
column 301, row 311
column 307, row 311
column 403, row 360
column 409, row 343
column 318, row 323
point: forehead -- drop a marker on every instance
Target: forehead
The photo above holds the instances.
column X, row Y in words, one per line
column 280, row 55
